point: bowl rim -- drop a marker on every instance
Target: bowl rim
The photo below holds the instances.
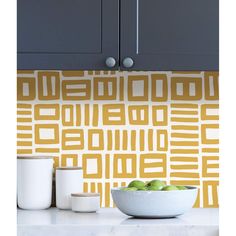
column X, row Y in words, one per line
column 190, row 188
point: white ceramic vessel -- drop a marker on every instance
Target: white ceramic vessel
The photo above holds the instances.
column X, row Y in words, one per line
column 34, row 182
column 68, row 180
column 85, row 202
column 154, row 204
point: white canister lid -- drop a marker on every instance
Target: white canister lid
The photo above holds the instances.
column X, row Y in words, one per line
column 34, row 157
column 69, row 168
column 85, row 195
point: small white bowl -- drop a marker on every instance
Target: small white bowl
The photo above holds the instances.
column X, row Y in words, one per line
column 154, row 204
column 85, row 202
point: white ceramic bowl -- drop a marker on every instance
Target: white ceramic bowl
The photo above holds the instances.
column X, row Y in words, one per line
column 154, row 204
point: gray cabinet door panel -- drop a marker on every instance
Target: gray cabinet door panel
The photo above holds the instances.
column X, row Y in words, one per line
column 170, row 34
column 67, row 34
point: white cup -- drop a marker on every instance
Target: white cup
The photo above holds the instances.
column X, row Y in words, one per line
column 34, row 182
column 85, row 202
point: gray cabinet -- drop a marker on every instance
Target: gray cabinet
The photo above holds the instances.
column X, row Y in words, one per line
column 170, row 34
column 67, row 34
column 118, row 34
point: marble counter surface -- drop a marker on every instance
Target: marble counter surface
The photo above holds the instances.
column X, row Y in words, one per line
column 110, row 221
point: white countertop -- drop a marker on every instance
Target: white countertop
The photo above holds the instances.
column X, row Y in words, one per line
column 110, row 221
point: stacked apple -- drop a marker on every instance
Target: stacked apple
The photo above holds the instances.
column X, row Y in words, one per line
column 154, row 185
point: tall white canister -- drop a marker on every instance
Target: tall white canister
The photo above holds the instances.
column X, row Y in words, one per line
column 68, row 180
column 34, row 182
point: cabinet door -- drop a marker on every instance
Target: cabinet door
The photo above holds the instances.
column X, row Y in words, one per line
column 170, row 34
column 67, row 34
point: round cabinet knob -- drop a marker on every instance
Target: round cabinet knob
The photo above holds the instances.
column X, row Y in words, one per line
column 110, row 62
column 128, row 62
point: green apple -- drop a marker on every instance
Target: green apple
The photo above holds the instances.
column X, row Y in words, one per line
column 170, row 188
column 143, row 188
column 129, row 189
column 152, row 188
column 181, row 187
column 137, row 184
column 156, row 184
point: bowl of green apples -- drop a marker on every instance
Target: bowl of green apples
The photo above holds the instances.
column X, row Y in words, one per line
column 154, row 199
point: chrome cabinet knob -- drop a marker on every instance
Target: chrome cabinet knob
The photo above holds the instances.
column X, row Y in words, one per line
column 128, row 62
column 110, row 62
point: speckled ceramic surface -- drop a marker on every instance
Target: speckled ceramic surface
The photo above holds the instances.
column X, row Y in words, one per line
column 154, row 204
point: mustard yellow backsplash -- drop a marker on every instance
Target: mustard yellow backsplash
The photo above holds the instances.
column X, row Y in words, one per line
column 124, row 125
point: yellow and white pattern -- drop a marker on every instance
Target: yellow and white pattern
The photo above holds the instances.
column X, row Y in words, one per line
column 124, row 125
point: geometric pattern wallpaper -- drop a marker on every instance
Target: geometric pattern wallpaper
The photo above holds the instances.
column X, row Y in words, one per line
column 124, row 125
